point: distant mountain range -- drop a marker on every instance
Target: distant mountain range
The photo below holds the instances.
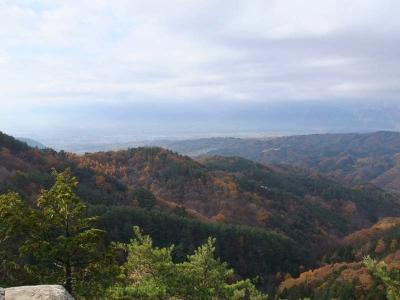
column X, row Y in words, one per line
column 32, row 143
column 282, row 214
column 120, row 125
column 239, row 191
column 232, row 190
column 351, row 159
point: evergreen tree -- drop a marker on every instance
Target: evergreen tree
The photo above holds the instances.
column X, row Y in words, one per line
column 145, row 198
column 15, row 225
column 389, row 277
column 203, row 276
column 150, row 273
column 54, row 242
column 65, row 239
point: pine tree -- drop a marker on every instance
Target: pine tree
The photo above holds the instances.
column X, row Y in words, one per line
column 150, row 273
column 65, row 239
column 390, row 278
column 15, row 225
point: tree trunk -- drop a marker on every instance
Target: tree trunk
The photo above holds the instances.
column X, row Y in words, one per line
column 68, row 277
column 68, row 270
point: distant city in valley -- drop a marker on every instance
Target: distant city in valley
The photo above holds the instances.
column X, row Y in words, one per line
column 112, row 127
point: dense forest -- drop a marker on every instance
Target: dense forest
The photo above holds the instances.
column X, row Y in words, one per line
column 345, row 273
column 310, row 209
column 148, row 219
column 55, row 241
column 351, row 159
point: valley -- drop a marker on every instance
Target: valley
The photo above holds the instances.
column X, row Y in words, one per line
column 269, row 218
column 351, row 159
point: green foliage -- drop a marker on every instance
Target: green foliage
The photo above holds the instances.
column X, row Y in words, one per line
column 15, row 225
column 203, row 276
column 301, row 204
column 145, row 198
column 250, row 251
column 56, row 241
column 41, row 239
column 147, row 271
column 12, row 143
column 103, row 271
column 150, row 273
column 65, row 238
column 389, row 277
column 180, row 211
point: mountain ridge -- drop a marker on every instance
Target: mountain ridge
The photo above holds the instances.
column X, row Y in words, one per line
column 351, row 159
column 286, row 217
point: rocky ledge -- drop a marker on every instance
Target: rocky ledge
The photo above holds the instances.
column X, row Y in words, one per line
column 42, row 292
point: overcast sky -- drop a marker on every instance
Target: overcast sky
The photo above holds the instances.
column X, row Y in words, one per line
column 59, row 54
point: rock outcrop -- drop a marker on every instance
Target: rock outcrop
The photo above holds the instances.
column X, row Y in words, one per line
column 42, row 292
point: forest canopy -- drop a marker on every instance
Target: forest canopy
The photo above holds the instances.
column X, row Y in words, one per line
column 56, row 242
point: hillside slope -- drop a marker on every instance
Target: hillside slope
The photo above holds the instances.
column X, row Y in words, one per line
column 350, row 159
column 263, row 216
column 27, row 170
column 239, row 191
column 253, row 252
column 32, row 143
column 345, row 276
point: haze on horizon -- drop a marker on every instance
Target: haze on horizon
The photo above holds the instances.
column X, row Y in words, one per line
column 94, row 68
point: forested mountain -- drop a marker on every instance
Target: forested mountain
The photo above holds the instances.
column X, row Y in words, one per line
column 253, row 252
column 268, row 220
column 351, row 159
column 239, row 191
column 345, row 276
column 32, row 143
column 28, row 170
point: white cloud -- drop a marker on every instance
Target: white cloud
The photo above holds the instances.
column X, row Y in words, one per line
column 97, row 50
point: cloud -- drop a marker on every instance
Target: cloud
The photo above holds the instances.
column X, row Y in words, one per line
column 96, row 51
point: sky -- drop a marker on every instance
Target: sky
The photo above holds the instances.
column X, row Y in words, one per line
column 93, row 65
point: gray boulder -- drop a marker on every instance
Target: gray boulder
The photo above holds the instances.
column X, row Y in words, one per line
column 42, row 292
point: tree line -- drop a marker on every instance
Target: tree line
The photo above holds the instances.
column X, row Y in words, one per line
column 56, row 241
